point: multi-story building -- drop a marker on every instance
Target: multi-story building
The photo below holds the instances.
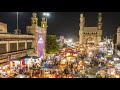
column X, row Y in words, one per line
column 16, row 46
column 118, row 36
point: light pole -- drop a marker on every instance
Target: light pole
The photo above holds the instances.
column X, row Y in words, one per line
column 17, row 30
column 17, row 21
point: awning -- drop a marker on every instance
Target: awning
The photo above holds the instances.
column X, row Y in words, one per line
column 35, row 57
column 21, row 58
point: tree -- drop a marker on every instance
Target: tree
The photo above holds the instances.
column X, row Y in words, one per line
column 64, row 45
column 52, row 46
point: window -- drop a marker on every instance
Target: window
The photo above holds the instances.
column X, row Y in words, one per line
column 13, row 47
column 3, row 48
column 29, row 45
column 21, row 46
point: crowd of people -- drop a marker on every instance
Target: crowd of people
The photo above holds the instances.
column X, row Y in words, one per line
column 87, row 61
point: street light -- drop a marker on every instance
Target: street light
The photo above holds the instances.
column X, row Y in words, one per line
column 17, row 31
column 17, row 20
column 70, row 40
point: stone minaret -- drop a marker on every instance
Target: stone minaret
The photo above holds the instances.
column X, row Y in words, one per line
column 34, row 24
column 34, row 19
column 43, row 23
column 32, row 30
column 118, row 36
column 44, row 32
column 99, row 27
column 82, row 23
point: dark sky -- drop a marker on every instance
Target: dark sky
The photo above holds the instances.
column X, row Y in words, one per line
column 63, row 23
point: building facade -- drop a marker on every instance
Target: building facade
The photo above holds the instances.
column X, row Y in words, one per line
column 90, row 35
column 14, row 46
column 39, row 32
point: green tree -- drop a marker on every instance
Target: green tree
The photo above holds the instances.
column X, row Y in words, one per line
column 64, row 45
column 52, row 46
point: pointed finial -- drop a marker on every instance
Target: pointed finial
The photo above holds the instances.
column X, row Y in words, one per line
column 99, row 17
column 81, row 15
column 99, row 14
column 43, row 19
column 34, row 14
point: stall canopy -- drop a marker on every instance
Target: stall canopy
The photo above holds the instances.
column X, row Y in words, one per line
column 35, row 57
column 21, row 58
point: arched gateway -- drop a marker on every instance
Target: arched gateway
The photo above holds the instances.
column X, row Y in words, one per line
column 90, row 35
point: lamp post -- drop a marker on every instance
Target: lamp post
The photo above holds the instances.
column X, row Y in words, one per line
column 17, row 20
column 17, row 31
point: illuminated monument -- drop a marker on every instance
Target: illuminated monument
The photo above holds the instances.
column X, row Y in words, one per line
column 40, row 34
column 90, row 35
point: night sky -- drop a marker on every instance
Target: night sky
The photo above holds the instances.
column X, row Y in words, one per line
column 63, row 23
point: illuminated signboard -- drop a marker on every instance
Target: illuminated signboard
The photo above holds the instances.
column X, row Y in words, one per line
column 40, row 43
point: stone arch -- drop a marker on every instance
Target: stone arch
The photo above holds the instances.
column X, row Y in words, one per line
column 90, row 40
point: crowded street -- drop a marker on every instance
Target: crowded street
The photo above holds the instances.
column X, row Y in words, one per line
column 80, row 61
column 37, row 53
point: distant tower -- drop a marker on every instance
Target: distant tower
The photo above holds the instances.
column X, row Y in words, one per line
column 39, row 32
column 43, row 23
column 99, row 27
column 34, row 19
column 34, row 24
column 118, row 36
column 44, row 32
column 82, row 23
column 32, row 30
